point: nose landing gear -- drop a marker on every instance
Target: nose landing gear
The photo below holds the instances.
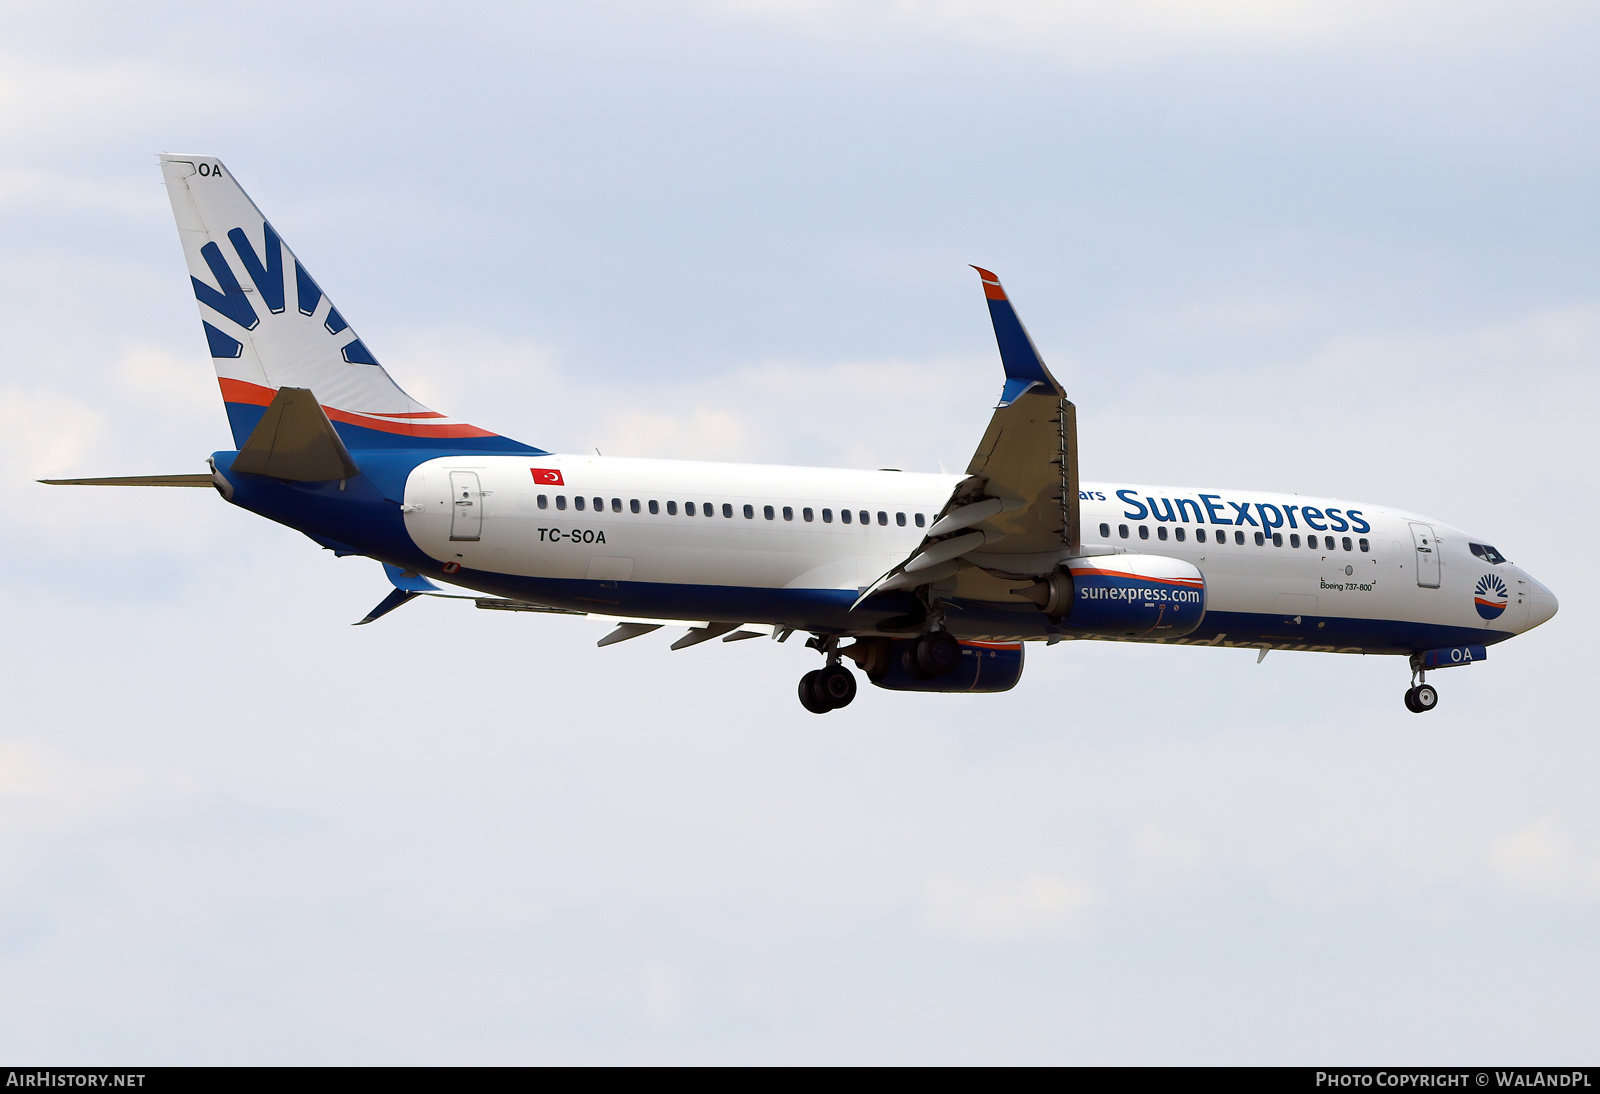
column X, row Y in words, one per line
column 1421, row 697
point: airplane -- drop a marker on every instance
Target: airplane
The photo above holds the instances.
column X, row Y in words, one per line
column 924, row 582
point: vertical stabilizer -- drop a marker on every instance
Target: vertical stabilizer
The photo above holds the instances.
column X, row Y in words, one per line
column 269, row 325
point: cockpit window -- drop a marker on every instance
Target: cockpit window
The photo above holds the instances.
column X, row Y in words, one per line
column 1487, row 553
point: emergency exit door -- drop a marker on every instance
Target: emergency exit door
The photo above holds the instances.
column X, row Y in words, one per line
column 466, row 506
column 1427, row 556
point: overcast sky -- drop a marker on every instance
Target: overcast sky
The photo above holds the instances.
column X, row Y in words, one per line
column 1345, row 248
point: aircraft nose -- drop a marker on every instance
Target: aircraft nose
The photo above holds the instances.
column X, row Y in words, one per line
column 1542, row 604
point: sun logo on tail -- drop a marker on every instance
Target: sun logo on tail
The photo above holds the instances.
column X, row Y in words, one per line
column 1490, row 596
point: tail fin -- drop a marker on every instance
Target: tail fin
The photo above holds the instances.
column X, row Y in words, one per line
column 269, row 325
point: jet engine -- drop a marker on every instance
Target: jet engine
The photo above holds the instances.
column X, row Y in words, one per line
column 978, row 667
column 1123, row 596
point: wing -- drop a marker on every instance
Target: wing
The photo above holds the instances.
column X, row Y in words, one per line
column 1016, row 512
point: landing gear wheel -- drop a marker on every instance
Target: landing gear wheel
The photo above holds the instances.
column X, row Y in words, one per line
column 932, row 655
column 836, row 686
column 1424, row 698
column 1411, row 701
column 808, row 693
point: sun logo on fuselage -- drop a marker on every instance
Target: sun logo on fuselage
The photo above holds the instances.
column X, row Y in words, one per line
column 1490, row 596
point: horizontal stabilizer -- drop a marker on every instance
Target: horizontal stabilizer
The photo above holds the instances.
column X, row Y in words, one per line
column 294, row 440
column 137, row 480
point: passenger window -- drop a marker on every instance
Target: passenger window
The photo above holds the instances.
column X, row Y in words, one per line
column 1179, row 533
column 616, row 505
column 788, row 512
column 844, row 516
column 866, row 517
column 1260, row 539
column 633, row 506
column 561, row 501
column 544, row 501
column 1327, row 541
column 1144, row 531
column 1200, row 535
column 577, row 503
column 689, row 509
column 599, row 505
column 672, row 509
column 1277, row 539
column 727, row 510
column 1161, row 531
column 900, row 519
column 883, row 518
column 655, row 507
column 1105, row 531
column 1238, row 538
column 750, row 512
column 827, row 516
column 1365, row 546
column 919, row 520
column 1122, row 530
column 1346, row 544
column 1294, row 539
column 768, row 513
column 805, row 514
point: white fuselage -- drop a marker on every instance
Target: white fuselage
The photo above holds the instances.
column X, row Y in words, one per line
column 1365, row 562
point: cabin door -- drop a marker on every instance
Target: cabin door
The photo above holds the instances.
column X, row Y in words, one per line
column 466, row 506
column 1427, row 556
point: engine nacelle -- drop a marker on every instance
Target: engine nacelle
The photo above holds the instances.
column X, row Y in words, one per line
column 1124, row 596
column 983, row 666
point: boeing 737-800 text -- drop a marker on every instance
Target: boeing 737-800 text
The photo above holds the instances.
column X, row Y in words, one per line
column 924, row 582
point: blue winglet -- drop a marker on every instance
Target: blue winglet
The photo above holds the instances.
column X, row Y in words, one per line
column 409, row 580
column 389, row 604
column 408, row 585
column 1025, row 369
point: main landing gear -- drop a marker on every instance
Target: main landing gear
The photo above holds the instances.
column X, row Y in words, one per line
column 827, row 688
column 926, row 657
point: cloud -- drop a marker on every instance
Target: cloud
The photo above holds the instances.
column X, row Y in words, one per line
column 39, row 96
column 1546, row 859
column 1030, row 906
column 1097, row 31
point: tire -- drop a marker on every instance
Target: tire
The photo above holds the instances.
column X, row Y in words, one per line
column 909, row 662
column 808, row 693
column 836, row 686
column 938, row 654
column 1425, row 697
column 1411, row 701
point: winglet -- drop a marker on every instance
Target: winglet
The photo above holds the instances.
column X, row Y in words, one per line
column 408, row 585
column 1025, row 369
column 388, row 604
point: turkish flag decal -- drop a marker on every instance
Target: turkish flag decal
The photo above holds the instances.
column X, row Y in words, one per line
column 546, row 477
